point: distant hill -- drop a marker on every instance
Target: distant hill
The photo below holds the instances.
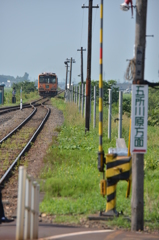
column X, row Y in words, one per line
column 4, row 78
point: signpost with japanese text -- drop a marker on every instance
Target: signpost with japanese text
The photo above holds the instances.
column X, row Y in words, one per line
column 139, row 118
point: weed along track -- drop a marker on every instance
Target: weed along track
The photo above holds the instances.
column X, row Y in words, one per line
column 18, row 141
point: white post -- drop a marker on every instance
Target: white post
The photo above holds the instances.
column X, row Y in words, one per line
column 90, row 103
column 109, row 114
column 120, row 114
column 37, row 209
column 27, row 208
column 72, row 93
column 103, row 99
column 82, row 99
column 85, row 103
column 32, row 220
column 21, row 203
column 79, row 99
column 36, row 212
column 94, row 117
column 67, row 95
column 77, row 95
column 21, row 104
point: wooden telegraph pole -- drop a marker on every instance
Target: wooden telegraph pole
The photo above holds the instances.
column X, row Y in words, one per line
column 88, row 79
column 71, row 60
column 81, row 62
column 137, row 201
column 66, row 63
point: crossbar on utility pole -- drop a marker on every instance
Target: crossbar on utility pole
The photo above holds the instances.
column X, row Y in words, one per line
column 81, row 62
column 88, row 79
column 137, row 202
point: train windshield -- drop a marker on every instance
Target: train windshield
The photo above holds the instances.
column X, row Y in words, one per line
column 47, row 79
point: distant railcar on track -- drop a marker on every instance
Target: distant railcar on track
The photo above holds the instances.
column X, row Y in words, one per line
column 47, row 84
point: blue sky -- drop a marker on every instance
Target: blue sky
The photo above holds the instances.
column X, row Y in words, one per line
column 38, row 35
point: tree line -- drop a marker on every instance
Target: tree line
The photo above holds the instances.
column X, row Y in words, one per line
column 5, row 78
column 27, row 86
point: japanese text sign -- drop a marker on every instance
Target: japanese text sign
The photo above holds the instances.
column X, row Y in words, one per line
column 139, row 116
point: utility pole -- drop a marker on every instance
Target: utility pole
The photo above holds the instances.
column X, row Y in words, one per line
column 71, row 60
column 88, row 79
column 66, row 63
column 137, row 201
column 81, row 62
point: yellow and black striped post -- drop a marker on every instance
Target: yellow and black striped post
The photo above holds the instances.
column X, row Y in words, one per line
column 117, row 168
column 101, row 152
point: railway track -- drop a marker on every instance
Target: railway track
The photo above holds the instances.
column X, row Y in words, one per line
column 4, row 110
column 15, row 143
column 60, row 91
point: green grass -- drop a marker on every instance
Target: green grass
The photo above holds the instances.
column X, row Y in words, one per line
column 71, row 178
column 26, row 97
column 126, row 96
column 7, row 89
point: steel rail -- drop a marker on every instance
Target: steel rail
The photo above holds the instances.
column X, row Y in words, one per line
column 14, row 108
column 23, row 123
column 59, row 92
column 25, row 105
column 4, row 110
column 10, row 109
column 19, row 126
column 27, row 145
column 17, row 106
